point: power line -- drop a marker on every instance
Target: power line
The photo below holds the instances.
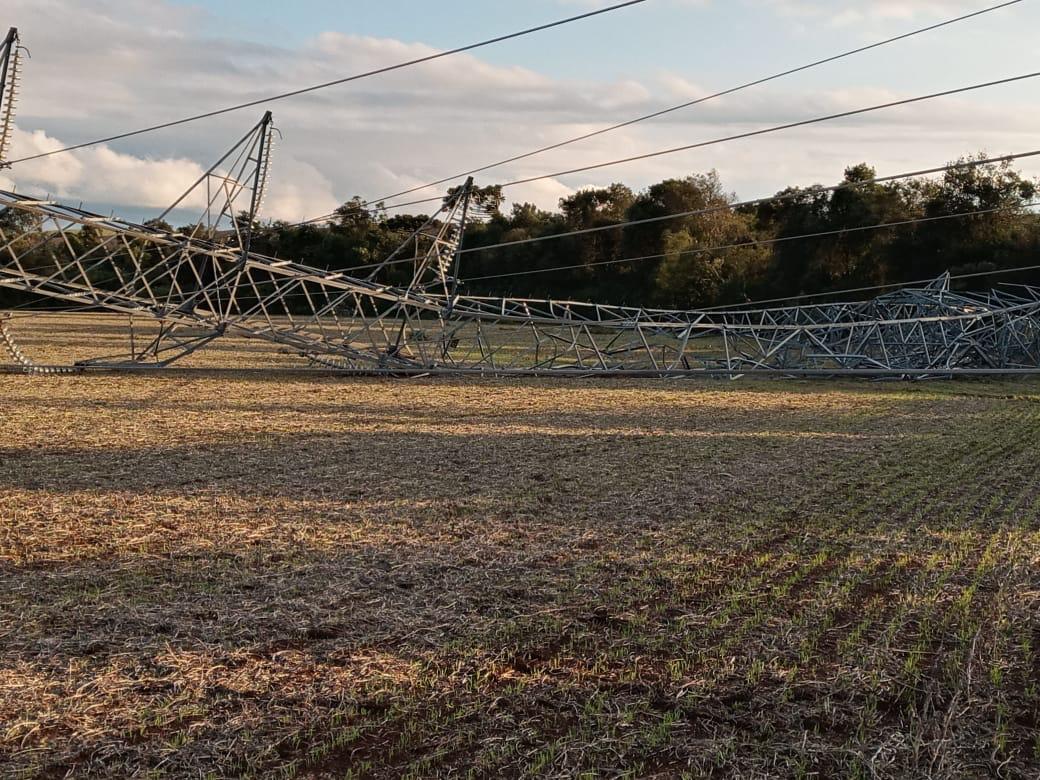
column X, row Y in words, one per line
column 735, row 137
column 778, row 198
column 316, row 87
column 872, row 288
column 759, row 201
column 719, row 248
column 711, row 209
column 757, row 242
column 776, row 128
column 781, row 197
column 698, row 101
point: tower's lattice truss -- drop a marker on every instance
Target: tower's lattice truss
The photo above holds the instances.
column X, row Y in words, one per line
column 199, row 289
column 199, row 284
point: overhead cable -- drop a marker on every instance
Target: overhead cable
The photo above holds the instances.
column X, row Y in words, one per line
column 754, row 243
column 698, row 101
column 327, row 84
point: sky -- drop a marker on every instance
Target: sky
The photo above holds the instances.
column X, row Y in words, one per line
column 107, row 66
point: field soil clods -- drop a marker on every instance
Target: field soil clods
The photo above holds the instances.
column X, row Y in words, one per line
column 318, row 577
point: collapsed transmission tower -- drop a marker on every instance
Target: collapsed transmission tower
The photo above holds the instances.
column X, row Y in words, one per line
column 205, row 283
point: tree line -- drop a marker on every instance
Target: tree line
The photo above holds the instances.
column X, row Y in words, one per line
column 724, row 255
column 676, row 262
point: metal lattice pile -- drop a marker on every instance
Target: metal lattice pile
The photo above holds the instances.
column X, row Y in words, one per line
column 199, row 289
column 205, row 282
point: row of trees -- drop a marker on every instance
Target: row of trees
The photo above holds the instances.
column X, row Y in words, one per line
column 676, row 262
column 724, row 255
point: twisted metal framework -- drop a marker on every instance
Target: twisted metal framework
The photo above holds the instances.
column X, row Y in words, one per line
column 204, row 282
column 199, row 288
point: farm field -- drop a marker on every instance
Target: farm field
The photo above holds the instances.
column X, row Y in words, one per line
column 319, row 577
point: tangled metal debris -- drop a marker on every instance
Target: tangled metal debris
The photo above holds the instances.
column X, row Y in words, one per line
column 198, row 290
column 200, row 284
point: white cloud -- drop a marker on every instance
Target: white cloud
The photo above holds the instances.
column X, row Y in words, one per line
column 403, row 129
column 844, row 13
column 100, row 173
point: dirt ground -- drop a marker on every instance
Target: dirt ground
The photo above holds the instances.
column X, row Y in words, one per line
column 318, row 577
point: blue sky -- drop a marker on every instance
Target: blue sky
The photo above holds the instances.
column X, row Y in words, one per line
column 162, row 59
column 718, row 39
